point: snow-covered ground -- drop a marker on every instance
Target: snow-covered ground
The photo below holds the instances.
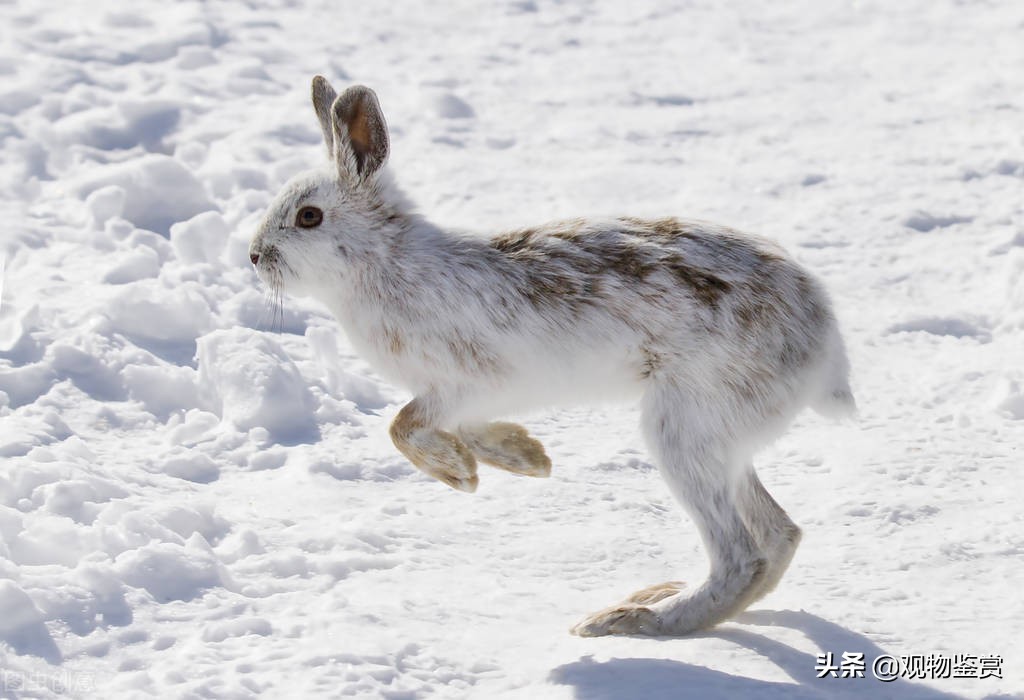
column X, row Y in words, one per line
column 198, row 498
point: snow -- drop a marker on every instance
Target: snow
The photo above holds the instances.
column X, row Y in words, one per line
column 254, row 384
column 156, row 190
column 198, row 496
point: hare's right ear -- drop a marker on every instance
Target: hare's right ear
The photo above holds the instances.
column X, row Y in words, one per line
column 360, row 134
column 323, row 98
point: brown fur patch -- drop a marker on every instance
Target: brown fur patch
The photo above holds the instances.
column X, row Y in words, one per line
column 666, row 227
column 572, row 266
column 655, row 593
column 651, row 363
column 630, row 261
column 514, row 241
column 634, row 221
column 751, row 315
column 393, row 340
column 408, row 419
column 663, row 230
column 548, row 290
column 707, row 288
column 569, row 230
column 472, row 356
column 759, row 307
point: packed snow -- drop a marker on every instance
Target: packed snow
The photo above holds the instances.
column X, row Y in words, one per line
column 198, row 495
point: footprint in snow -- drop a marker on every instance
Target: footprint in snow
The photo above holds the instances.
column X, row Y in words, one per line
column 942, row 326
column 448, row 106
column 924, row 222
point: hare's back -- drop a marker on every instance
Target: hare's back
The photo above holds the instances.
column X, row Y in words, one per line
column 703, row 267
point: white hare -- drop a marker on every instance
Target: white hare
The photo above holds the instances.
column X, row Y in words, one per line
column 721, row 334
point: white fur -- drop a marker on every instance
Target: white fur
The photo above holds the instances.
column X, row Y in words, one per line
column 723, row 336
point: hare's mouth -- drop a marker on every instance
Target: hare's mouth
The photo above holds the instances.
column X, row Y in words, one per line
column 272, row 267
column 271, row 270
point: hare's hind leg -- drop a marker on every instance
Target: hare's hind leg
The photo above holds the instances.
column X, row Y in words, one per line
column 686, row 440
column 776, row 535
column 507, row 446
column 432, row 450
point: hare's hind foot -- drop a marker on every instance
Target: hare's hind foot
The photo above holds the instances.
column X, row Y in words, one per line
column 507, row 446
column 433, row 451
column 632, row 616
column 666, row 610
column 628, row 618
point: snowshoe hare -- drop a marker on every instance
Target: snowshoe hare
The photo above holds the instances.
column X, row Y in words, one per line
column 722, row 335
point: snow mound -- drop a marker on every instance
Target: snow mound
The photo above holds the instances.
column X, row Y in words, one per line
column 365, row 393
column 164, row 321
column 162, row 389
column 17, row 611
column 201, row 239
column 192, row 466
column 253, row 383
column 105, row 203
column 171, row 571
column 139, row 264
column 24, row 431
column 240, row 627
column 1010, row 399
column 129, row 124
column 158, row 191
column 21, row 623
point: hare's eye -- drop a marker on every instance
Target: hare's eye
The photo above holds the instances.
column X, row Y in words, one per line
column 308, row 217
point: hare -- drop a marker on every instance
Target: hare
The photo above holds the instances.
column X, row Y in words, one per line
column 721, row 335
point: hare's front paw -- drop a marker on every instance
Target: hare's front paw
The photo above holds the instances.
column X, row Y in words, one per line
column 507, row 446
column 442, row 456
column 439, row 454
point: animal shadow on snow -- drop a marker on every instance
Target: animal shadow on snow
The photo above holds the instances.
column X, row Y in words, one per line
column 661, row 679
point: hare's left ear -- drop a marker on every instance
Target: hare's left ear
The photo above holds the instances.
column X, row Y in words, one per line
column 323, row 98
column 360, row 134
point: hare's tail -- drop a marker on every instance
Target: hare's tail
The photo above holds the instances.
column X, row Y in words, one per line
column 833, row 398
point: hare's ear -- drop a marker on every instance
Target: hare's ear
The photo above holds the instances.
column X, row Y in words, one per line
column 323, row 98
column 360, row 134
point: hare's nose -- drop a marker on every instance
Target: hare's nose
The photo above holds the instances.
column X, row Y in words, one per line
column 255, row 257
